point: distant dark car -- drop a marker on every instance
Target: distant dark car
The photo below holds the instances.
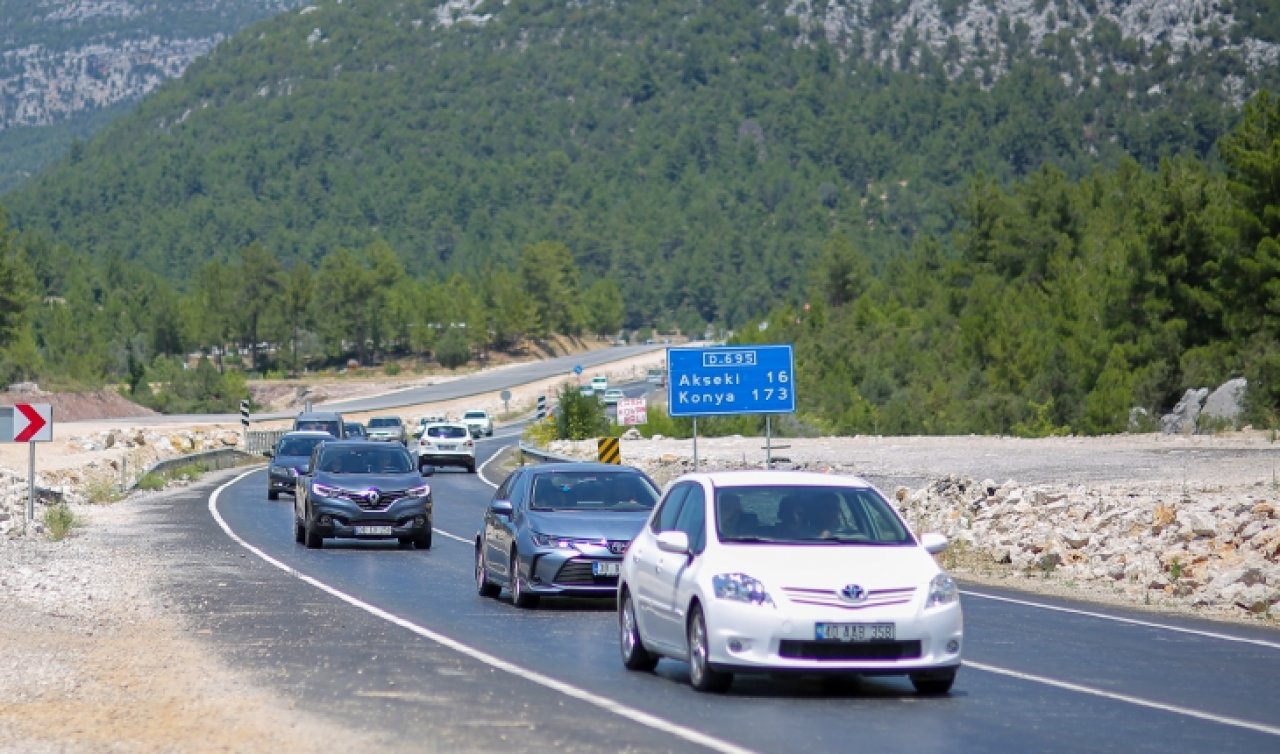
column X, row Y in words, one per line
column 322, row 421
column 560, row 529
column 362, row 490
column 355, row 430
column 291, row 453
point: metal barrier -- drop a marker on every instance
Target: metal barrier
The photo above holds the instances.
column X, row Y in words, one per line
column 543, row 456
column 258, row 440
column 223, row 458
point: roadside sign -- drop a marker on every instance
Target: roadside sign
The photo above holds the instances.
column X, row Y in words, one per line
column 244, row 413
column 731, row 380
column 607, row 450
column 632, row 411
column 577, row 369
column 26, row 422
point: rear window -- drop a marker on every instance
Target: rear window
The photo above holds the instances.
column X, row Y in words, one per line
column 384, row 422
column 473, row 415
column 448, row 432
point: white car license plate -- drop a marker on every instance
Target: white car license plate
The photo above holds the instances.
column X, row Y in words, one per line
column 605, row 567
column 855, row 631
column 373, row 531
column 446, row 447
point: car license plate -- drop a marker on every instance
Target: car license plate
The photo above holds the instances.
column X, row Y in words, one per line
column 855, row 631
column 605, row 567
column 446, row 447
column 373, row 531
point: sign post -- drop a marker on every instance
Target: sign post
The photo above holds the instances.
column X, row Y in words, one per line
column 730, row 380
column 30, row 423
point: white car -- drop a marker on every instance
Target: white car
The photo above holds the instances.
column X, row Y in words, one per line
column 446, row 444
column 479, row 421
column 612, row 396
column 599, row 384
column 776, row 571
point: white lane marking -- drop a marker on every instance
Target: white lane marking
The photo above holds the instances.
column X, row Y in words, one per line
column 446, row 534
column 1186, row 711
column 1130, row 621
column 605, row 703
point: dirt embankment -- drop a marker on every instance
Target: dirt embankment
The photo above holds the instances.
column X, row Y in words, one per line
column 106, row 403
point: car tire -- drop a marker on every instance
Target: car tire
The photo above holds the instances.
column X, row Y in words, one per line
column 422, row 540
column 273, row 495
column 701, row 675
column 299, row 532
column 313, row 540
column 484, row 587
column 519, row 597
column 933, row 683
column 634, row 655
column 471, row 468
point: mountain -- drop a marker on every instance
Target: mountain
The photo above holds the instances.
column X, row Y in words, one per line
column 699, row 153
column 67, row 67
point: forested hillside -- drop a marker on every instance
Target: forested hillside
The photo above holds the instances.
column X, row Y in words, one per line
column 363, row 178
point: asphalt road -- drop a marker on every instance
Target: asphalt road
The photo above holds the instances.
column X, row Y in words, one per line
column 397, row 644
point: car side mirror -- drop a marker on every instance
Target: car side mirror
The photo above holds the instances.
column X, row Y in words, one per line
column 933, row 542
column 501, row 508
column 428, row 470
column 676, row 542
column 269, row 454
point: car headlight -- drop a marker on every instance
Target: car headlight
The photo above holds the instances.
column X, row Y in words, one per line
column 421, row 491
column 552, row 540
column 741, row 588
column 942, row 591
column 324, row 490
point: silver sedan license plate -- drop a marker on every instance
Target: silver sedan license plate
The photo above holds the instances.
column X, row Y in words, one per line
column 605, row 568
column 373, row 531
column 855, row 631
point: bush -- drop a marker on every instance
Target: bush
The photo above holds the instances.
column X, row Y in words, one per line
column 59, row 521
column 579, row 416
column 391, row 369
column 453, row 350
column 151, row 482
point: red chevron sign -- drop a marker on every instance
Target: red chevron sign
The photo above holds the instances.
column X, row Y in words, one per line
column 32, row 422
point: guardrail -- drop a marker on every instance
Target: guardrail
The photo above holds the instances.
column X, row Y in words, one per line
column 258, row 440
column 543, row 456
column 223, row 458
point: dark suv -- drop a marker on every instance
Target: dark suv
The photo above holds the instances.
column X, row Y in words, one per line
column 362, row 490
column 320, row 421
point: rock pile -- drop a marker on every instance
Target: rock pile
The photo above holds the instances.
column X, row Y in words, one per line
column 117, row 459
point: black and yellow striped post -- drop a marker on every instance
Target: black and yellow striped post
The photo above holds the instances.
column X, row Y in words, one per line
column 607, row 450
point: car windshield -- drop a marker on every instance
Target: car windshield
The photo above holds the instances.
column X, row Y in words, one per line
column 807, row 515
column 384, row 422
column 320, row 425
column 371, row 460
column 592, row 490
column 473, row 415
column 298, row 446
column 448, row 432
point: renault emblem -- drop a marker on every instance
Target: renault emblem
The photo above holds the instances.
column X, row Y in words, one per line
column 372, row 496
column 853, row 593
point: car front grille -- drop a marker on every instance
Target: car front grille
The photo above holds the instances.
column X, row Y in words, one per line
column 366, row 501
column 578, row 573
column 829, row 650
column 831, row 598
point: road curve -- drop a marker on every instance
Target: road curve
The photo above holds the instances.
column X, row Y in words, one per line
column 398, row 643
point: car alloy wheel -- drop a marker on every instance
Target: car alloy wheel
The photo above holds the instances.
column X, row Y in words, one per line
column 701, row 676
column 484, row 586
column 519, row 597
column 634, row 655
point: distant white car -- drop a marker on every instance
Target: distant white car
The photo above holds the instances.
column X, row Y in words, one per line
column 387, row 429
column 446, row 444
column 599, row 384
column 479, row 421
column 775, row 571
column 612, row 396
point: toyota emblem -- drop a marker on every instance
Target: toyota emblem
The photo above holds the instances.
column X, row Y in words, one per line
column 853, row 593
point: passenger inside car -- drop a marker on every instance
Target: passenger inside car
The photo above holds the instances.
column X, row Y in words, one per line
column 733, row 520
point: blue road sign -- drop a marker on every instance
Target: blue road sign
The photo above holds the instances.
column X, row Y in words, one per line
column 577, row 369
column 731, row 380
